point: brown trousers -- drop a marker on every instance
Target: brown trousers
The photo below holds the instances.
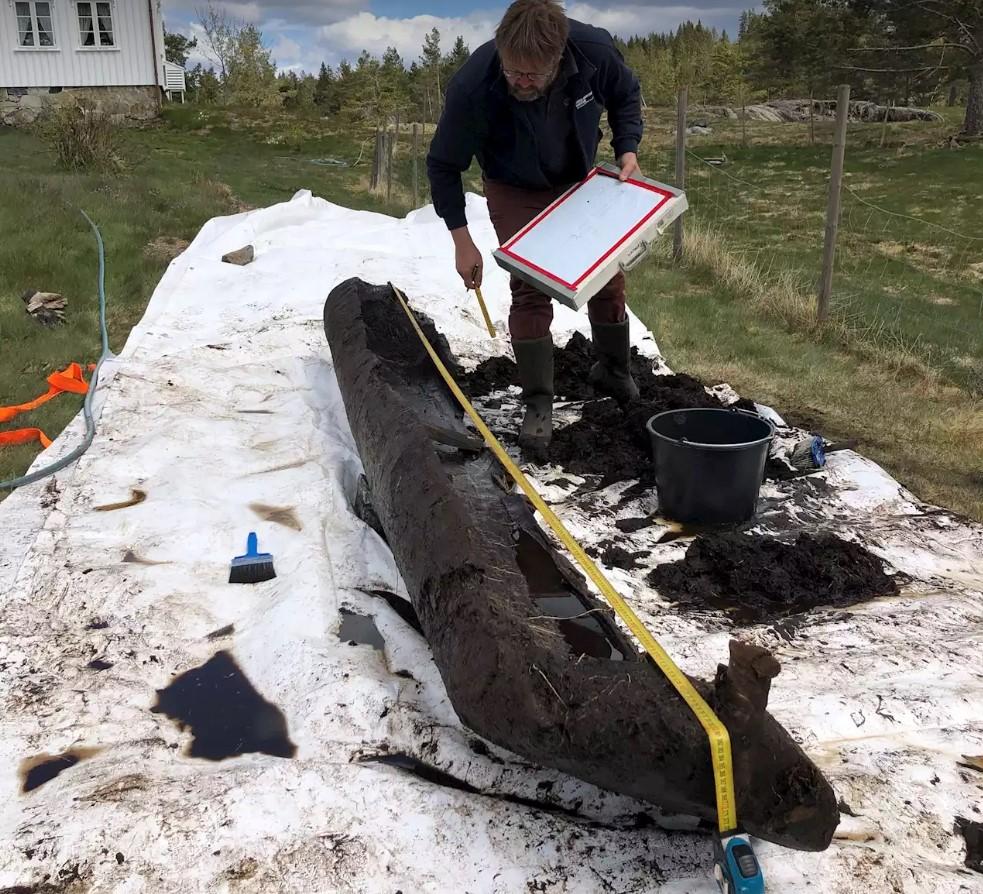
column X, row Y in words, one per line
column 511, row 208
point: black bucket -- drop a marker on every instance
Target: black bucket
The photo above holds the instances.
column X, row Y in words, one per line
column 709, row 464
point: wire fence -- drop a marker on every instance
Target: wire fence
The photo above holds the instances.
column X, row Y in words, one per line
column 908, row 269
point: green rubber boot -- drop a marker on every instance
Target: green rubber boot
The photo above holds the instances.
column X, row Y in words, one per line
column 534, row 357
column 611, row 374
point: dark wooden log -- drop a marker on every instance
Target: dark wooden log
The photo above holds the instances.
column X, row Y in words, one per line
column 497, row 605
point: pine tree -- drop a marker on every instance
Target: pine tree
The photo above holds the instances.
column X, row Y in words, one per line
column 430, row 60
column 324, row 88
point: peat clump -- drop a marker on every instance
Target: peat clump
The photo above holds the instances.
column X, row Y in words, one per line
column 755, row 578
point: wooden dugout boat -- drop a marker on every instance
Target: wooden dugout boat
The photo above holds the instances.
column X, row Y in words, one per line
column 531, row 661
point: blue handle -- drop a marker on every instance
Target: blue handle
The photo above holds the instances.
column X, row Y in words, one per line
column 736, row 869
column 252, row 544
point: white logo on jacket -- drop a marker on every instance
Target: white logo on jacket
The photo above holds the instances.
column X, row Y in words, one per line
column 585, row 100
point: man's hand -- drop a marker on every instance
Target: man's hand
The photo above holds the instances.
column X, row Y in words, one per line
column 467, row 258
column 629, row 166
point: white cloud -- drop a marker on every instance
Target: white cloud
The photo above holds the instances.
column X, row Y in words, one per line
column 626, row 20
column 302, row 33
column 287, row 53
column 366, row 31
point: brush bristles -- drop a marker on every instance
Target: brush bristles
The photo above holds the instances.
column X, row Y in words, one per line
column 252, row 573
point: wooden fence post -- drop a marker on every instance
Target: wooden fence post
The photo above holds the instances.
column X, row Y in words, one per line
column 887, row 117
column 677, row 234
column 743, row 116
column 416, row 165
column 833, row 203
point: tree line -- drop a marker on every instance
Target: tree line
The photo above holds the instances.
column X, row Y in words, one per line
column 904, row 52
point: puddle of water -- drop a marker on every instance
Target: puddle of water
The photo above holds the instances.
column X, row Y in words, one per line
column 402, row 607
column 360, row 629
column 36, row 771
column 585, row 633
column 224, row 712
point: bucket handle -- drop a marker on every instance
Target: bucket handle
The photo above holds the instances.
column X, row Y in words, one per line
column 637, row 257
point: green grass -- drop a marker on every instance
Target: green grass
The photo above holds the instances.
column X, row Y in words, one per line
column 899, row 367
column 904, row 280
column 195, row 165
column 926, row 433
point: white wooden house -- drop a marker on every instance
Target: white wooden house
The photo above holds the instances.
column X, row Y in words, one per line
column 108, row 52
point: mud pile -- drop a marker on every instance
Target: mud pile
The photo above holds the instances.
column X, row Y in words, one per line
column 608, row 440
column 756, row 579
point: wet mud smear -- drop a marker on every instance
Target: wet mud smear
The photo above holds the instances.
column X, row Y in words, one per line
column 279, row 515
column 36, row 771
column 360, row 630
column 756, row 578
column 132, row 558
column 225, row 714
column 137, row 496
column 615, row 556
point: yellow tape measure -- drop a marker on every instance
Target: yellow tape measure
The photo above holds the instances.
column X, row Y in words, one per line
column 720, row 755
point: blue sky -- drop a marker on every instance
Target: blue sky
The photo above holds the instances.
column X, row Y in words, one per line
column 302, row 33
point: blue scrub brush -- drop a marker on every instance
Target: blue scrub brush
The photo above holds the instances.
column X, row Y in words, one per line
column 254, row 567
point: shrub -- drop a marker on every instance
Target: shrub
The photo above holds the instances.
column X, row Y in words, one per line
column 82, row 138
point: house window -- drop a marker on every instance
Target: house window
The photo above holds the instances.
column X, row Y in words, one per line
column 96, row 24
column 34, row 23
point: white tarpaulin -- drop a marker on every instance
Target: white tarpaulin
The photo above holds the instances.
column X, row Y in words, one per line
column 223, row 413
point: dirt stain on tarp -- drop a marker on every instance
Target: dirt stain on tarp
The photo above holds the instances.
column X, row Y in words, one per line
column 225, row 713
column 137, row 496
column 614, row 555
column 757, row 578
column 132, row 558
column 418, row 768
column 36, row 771
column 280, row 515
column 360, row 630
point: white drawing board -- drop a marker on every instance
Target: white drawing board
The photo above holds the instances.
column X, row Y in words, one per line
column 586, row 226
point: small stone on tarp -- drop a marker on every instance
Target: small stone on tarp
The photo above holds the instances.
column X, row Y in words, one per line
column 240, row 257
column 48, row 308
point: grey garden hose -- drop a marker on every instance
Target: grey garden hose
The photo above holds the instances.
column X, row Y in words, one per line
column 90, row 423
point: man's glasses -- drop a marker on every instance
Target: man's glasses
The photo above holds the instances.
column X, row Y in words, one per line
column 537, row 77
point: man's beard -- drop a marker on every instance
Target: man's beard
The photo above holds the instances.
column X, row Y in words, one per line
column 527, row 94
column 532, row 93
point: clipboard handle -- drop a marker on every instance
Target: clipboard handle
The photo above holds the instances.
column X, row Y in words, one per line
column 636, row 257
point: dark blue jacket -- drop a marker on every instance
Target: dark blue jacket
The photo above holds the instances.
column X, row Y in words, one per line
column 478, row 122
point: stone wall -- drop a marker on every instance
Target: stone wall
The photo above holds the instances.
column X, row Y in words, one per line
column 21, row 106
